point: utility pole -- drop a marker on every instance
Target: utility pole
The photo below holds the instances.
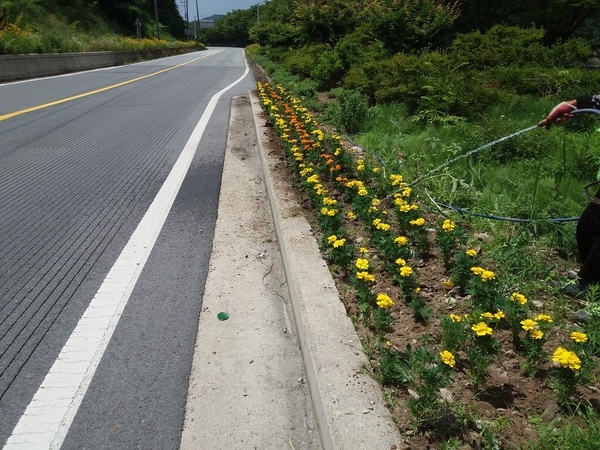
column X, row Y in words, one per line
column 197, row 18
column 156, row 19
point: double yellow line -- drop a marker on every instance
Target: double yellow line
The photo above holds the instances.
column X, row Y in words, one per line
column 97, row 91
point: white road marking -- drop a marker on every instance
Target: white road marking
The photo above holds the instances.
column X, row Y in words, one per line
column 47, row 419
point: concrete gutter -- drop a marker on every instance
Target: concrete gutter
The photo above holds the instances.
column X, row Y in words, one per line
column 348, row 403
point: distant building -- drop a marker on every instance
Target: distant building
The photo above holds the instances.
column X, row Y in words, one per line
column 204, row 23
column 209, row 22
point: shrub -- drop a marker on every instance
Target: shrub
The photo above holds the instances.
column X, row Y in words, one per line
column 301, row 61
column 352, row 112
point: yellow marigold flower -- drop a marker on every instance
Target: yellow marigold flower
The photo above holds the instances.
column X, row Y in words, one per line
column 383, row 226
column 455, row 318
column 320, row 190
column 376, row 169
column 362, row 192
column 396, row 179
column 329, row 201
column 499, row 315
column 332, row 238
column 417, row 290
column 332, row 212
column 481, row 329
column 487, row 315
column 366, row 276
column 401, row 240
column 399, row 201
column 518, row 298
column 363, row 250
column 404, row 207
column 360, row 167
column 375, row 202
column 448, row 284
column 566, row 358
column 350, row 215
column 406, row 192
column 384, row 301
column 447, row 358
column 400, row 262
column 544, row 318
column 339, row 243
column 448, row 225
column 477, row 270
column 418, row 222
column 536, row 334
column 313, row 179
column 362, row 264
column 528, row 324
column 487, row 275
column 579, row 337
column 405, row 271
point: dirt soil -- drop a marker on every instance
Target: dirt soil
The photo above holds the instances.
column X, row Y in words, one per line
column 509, row 400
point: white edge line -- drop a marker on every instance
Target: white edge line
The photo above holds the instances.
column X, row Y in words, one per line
column 47, row 419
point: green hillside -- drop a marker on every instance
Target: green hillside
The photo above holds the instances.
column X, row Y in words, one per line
column 36, row 26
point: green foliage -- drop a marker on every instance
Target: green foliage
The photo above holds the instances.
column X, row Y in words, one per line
column 352, row 112
column 301, row 62
column 48, row 27
column 501, row 46
column 273, row 34
column 412, row 26
column 581, row 432
column 324, row 21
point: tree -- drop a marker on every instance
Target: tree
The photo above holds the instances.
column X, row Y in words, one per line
column 560, row 18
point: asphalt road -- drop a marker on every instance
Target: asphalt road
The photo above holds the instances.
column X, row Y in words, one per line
column 82, row 159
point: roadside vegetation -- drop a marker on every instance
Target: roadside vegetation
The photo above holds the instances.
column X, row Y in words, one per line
column 54, row 26
column 448, row 219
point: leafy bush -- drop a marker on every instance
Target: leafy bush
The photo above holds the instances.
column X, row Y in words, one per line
column 509, row 46
column 328, row 71
column 273, row 34
column 301, row 61
column 352, row 112
column 501, row 45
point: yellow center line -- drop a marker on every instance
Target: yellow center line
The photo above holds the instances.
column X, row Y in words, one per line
column 97, row 91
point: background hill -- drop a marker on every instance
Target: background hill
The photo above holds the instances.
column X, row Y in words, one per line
column 94, row 18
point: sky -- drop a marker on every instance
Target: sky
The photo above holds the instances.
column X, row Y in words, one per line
column 209, row 7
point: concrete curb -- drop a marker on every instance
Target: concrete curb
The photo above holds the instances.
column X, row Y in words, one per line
column 349, row 405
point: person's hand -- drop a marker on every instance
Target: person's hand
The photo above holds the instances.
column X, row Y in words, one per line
column 560, row 114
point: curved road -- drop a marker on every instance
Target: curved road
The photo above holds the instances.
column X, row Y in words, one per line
column 104, row 176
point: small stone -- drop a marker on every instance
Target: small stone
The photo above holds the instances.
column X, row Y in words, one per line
column 413, row 394
column 581, row 317
column 537, row 303
column 366, row 411
column 483, row 237
column 446, row 395
column 551, row 408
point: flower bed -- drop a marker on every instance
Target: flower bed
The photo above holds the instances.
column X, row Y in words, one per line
column 459, row 353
